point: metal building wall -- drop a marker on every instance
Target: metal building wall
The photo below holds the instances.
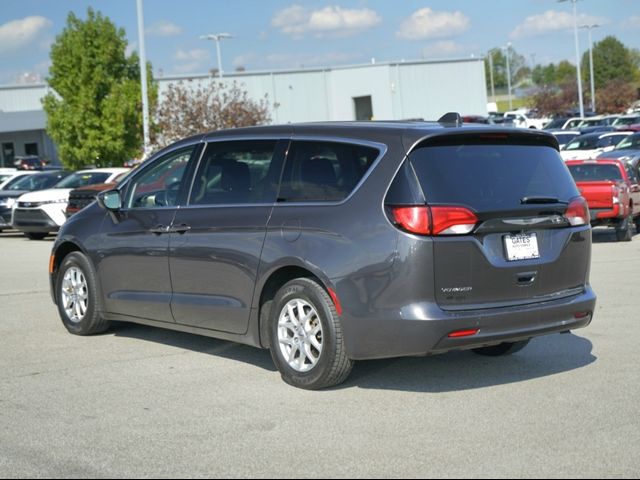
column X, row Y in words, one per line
column 20, row 98
column 398, row 91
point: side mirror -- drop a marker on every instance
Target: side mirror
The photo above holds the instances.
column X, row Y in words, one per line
column 110, row 200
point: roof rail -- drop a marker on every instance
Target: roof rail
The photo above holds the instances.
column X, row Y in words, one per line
column 451, row 119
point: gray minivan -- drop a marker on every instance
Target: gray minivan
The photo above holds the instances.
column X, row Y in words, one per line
column 335, row 242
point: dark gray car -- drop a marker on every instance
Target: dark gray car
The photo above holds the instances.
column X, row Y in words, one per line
column 335, row 242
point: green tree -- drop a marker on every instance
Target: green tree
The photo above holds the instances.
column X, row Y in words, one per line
column 611, row 61
column 94, row 112
column 554, row 75
column 517, row 64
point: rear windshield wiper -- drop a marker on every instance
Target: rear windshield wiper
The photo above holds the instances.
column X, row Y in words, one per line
column 540, row 200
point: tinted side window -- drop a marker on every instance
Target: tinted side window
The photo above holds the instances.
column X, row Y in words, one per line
column 159, row 184
column 236, row 172
column 324, row 171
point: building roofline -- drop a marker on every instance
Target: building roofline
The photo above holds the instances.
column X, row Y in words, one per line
column 249, row 73
column 22, row 86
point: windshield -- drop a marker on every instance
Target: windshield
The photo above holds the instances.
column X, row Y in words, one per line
column 33, row 182
column 558, row 123
column 564, row 138
column 626, row 121
column 583, row 143
column 83, row 179
column 595, row 173
column 592, row 122
column 630, row 143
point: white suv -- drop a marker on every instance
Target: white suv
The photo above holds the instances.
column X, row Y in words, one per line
column 39, row 213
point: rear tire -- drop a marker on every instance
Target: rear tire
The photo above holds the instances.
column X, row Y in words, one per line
column 504, row 349
column 36, row 236
column 623, row 230
column 305, row 334
column 77, row 296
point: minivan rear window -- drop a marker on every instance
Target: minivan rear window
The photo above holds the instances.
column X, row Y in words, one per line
column 491, row 177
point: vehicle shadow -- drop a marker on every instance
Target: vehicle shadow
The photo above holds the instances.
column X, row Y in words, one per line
column 605, row 235
column 450, row 372
column 195, row 343
column 20, row 235
column 458, row 371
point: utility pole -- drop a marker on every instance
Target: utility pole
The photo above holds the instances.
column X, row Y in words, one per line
column 575, row 34
column 593, row 88
column 217, row 37
column 143, row 80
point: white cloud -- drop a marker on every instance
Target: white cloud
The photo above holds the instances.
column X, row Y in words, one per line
column 18, row 34
column 163, row 28
column 427, row 23
column 445, row 48
column 632, row 23
column 288, row 60
column 244, row 60
column 195, row 55
column 192, row 61
column 553, row 21
column 332, row 21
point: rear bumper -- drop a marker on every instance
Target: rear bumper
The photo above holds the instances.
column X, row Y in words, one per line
column 617, row 212
column 423, row 328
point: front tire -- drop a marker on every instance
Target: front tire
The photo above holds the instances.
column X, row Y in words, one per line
column 77, row 296
column 501, row 350
column 306, row 338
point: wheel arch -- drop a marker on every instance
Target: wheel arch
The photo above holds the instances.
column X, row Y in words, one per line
column 61, row 252
column 274, row 281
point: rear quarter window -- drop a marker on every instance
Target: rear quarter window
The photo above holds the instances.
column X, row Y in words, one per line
column 324, row 171
column 491, row 177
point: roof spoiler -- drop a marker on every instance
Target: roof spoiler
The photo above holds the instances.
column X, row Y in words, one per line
column 451, row 119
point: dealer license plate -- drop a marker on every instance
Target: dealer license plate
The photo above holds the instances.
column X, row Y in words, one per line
column 522, row 247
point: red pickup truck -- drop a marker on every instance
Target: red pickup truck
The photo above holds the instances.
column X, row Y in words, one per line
column 612, row 190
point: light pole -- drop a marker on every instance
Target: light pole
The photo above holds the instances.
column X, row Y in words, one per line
column 217, row 37
column 493, row 90
column 143, row 79
column 575, row 34
column 507, row 48
column 593, row 88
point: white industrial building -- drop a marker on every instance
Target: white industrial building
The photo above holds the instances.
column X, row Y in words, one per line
column 382, row 91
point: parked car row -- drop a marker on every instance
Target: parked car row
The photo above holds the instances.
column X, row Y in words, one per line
column 608, row 177
column 36, row 203
column 595, row 123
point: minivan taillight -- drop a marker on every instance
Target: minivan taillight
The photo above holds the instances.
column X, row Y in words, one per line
column 578, row 212
column 440, row 220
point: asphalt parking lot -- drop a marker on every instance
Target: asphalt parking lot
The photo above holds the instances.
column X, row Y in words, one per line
column 143, row 402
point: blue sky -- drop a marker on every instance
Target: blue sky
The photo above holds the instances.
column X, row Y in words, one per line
column 278, row 34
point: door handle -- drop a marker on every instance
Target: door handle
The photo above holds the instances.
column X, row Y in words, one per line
column 159, row 230
column 181, row 229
